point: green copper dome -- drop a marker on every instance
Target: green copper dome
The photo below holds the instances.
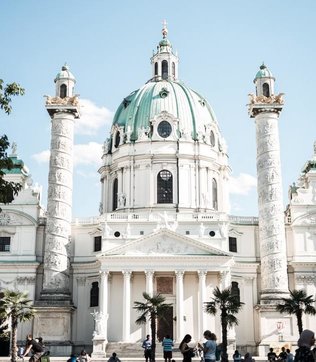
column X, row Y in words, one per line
column 263, row 72
column 142, row 105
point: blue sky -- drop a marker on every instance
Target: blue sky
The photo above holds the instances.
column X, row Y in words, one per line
column 108, row 45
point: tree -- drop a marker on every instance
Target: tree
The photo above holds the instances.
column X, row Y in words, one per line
column 6, row 92
column 153, row 309
column 229, row 305
column 7, row 189
column 298, row 303
column 15, row 307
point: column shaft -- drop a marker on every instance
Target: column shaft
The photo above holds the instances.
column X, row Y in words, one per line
column 126, row 305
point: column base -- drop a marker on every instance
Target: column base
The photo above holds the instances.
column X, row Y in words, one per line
column 53, row 324
column 98, row 347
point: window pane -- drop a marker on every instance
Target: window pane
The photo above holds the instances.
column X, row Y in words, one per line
column 115, row 189
column 232, row 244
column 164, row 187
column 97, row 243
column 5, row 242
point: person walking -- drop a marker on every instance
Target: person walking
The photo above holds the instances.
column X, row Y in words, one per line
column 167, row 345
column 185, row 349
column 305, row 342
column 147, row 348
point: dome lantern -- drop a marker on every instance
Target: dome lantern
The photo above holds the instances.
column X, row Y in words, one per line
column 264, row 82
column 164, row 61
column 65, row 82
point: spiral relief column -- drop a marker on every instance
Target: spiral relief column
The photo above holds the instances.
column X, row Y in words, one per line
column 265, row 107
column 63, row 109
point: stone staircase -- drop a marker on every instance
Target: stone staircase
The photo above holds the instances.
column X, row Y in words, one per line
column 135, row 350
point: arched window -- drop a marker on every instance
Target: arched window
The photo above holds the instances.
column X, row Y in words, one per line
column 114, row 196
column 156, row 68
column 235, row 292
column 214, row 193
column 117, row 139
column 164, row 69
column 266, row 89
column 173, row 69
column 212, row 139
column 94, row 294
column 63, row 91
column 164, row 187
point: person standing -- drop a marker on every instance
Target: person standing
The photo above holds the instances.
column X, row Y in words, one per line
column 283, row 355
column 305, row 342
column 147, row 348
column 271, row 355
column 237, row 356
column 114, row 358
column 36, row 347
column 185, row 349
column 84, row 357
column 209, row 347
column 289, row 356
column 167, row 345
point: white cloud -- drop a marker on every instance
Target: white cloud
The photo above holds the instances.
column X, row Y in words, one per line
column 92, row 118
column 84, row 154
column 242, row 184
column 87, row 154
column 42, row 157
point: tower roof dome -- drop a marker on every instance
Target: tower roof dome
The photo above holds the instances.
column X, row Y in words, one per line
column 263, row 72
column 141, row 106
column 64, row 73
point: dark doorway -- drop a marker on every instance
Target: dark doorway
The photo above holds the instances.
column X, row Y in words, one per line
column 165, row 326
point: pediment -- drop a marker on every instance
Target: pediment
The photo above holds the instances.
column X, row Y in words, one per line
column 166, row 242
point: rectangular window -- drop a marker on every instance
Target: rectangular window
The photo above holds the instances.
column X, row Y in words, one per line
column 233, row 244
column 5, row 243
column 97, row 243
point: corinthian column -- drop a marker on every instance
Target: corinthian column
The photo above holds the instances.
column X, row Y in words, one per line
column 180, row 307
column 126, row 305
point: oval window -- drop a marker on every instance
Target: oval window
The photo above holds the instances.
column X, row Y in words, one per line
column 164, row 129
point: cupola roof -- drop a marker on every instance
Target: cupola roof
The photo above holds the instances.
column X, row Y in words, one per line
column 263, row 72
column 64, row 73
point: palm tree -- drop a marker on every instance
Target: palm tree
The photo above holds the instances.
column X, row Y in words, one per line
column 152, row 309
column 229, row 305
column 298, row 303
column 15, row 307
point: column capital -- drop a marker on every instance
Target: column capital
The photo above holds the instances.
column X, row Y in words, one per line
column 149, row 273
column 104, row 273
column 179, row 273
column 127, row 273
column 202, row 273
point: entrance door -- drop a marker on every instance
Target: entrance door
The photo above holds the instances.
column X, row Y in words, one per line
column 165, row 326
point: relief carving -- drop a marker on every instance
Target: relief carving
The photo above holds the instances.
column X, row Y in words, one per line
column 278, row 99
column 66, row 101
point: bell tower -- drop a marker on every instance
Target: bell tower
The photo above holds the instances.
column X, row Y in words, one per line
column 265, row 107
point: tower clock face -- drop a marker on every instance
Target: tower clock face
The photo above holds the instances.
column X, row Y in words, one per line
column 164, row 129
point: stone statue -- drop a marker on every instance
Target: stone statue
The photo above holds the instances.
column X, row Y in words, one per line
column 121, row 199
column 14, row 148
column 98, row 327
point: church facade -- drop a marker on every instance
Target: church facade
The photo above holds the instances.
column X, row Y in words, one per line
column 163, row 224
